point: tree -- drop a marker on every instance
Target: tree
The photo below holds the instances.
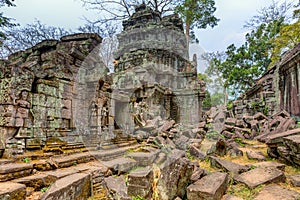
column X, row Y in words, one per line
column 213, row 70
column 119, row 10
column 20, row 38
column 5, row 21
column 288, row 37
column 109, row 43
column 197, row 13
column 244, row 64
column 273, row 12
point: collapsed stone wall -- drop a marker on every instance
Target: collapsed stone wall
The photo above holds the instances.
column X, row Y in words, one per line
column 41, row 87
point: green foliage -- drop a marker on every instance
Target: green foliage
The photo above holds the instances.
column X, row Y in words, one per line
column 4, row 21
column 44, row 189
column 189, row 156
column 26, row 160
column 207, row 100
column 287, row 39
column 241, row 190
column 239, row 141
column 197, row 13
column 218, row 91
column 229, row 105
column 137, row 198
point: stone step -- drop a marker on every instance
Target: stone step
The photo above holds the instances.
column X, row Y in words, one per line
column 67, row 161
column 212, row 186
column 14, row 170
column 110, row 154
column 117, row 144
column 36, row 181
column 258, row 176
column 120, row 165
column 144, row 158
column 12, row 191
column 5, row 161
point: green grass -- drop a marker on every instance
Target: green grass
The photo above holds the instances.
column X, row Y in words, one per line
column 241, row 190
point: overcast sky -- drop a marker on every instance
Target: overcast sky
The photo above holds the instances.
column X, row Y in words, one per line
column 69, row 14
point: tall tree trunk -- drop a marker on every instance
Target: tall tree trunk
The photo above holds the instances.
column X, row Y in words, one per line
column 225, row 96
column 187, row 33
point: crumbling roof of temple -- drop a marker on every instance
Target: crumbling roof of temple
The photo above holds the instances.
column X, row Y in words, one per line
column 144, row 17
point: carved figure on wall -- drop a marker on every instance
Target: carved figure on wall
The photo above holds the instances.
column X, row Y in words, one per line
column 93, row 114
column 140, row 113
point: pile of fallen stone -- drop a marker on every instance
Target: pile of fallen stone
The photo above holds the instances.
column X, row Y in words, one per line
column 258, row 126
column 168, row 134
column 285, row 146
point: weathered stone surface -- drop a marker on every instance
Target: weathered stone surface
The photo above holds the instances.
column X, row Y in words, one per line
column 116, row 188
column 120, row 165
column 36, row 181
column 197, row 174
column 13, row 171
column 140, row 183
column 76, row 186
column 231, row 197
column 182, row 142
column 276, row 192
column 175, row 174
column 227, row 166
column 293, row 142
column 270, row 164
column 167, row 125
column 278, row 138
column 60, row 173
column 143, row 158
column 258, row 176
column 295, row 180
column 197, row 153
column 210, row 187
column 253, row 155
column 12, row 191
column 67, row 161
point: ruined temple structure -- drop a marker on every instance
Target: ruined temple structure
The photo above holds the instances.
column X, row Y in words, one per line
column 59, row 95
column 278, row 89
column 153, row 73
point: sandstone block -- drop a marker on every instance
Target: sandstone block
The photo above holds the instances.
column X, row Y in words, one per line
column 210, row 187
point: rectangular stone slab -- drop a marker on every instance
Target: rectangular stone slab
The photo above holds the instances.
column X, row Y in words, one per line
column 258, row 176
column 12, row 191
column 278, row 137
column 75, row 186
column 275, row 192
column 15, row 170
column 227, row 165
column 210, row 187
column 270, row 164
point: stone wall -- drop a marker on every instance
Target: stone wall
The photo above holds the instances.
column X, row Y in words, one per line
column 41, row 91
column 278, row 89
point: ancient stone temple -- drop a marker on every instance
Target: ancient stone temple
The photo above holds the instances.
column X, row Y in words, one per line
column 153, row 75
column 59, row 95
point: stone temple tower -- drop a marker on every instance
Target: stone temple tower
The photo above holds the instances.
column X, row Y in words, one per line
column 153, row 75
